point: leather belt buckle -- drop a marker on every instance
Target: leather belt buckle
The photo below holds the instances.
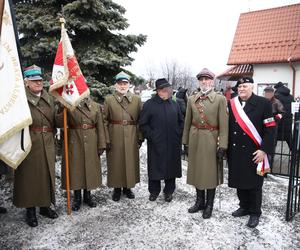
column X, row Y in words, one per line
column 44, row 129
column 84, row 126
column 124, row 122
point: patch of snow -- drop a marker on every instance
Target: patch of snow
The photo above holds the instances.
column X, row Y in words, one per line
column 141, row 224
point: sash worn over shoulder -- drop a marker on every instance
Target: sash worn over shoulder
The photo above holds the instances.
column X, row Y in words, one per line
column 248, row 127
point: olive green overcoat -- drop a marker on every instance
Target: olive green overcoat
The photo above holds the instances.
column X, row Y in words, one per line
column 211, row 111
column 123, row 157
column 86, row 137
column 34, row 184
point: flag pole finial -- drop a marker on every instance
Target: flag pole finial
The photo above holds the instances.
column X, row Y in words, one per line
column 62, row 20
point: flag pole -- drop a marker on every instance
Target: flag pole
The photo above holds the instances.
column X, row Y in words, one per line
column 62, row 22
column 1, row 13
column 67, row 162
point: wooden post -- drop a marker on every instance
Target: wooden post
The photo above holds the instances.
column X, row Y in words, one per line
column 62, row 22
column 1, row 13
column 67, row 161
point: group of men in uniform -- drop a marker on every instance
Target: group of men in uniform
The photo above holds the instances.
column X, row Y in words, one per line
column 243, row 128
column 90, row 132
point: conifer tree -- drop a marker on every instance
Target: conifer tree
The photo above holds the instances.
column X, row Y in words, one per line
column 94, row 27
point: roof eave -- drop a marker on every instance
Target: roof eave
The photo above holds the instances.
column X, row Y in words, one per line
column 262, row 62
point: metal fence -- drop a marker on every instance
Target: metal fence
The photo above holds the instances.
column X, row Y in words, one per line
column 293, row 201
column 281, row 159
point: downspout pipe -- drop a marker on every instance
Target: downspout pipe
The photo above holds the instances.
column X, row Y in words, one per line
column 294, row 75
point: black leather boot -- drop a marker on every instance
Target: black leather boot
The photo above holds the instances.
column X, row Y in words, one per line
column 200, row 201
column 48, row 212
column 87, row 198
column 76, row 200
column 209, row 203
column 253, row 221
column 3, row 210
column 240, row 212
column 153, row 197
column 31, row 219
column 168, row 197
column 116, row 194
column 128, row 192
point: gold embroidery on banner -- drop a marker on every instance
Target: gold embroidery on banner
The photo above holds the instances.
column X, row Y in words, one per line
column 6, row 19
column 18, row 80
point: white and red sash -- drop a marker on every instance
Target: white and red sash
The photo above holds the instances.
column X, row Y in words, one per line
column 248, row 127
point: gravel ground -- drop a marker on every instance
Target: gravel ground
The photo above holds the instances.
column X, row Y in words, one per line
column 141, row 224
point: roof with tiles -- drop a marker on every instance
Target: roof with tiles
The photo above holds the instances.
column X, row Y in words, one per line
column 267, row 36
column 238, row 70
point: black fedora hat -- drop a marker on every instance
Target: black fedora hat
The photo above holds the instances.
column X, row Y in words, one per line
column 161, row 83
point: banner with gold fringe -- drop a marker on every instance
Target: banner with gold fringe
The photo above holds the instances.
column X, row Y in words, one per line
column 15, row 116
column 68, row 84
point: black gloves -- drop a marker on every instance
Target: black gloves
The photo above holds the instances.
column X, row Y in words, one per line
column 221, row 153
column 108, row 146
column 100, row 151
column 185, row 149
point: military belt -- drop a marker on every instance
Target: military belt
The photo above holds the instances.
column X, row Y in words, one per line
column 205, row 126
column 43, row 129
column 123, row 122
column 83, row 126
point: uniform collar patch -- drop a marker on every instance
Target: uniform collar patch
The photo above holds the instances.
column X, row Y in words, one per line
column 128, row 96
column 211, row 96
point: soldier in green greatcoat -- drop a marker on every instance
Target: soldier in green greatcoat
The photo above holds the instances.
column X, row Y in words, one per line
column 34, row 184
column 206, row 135
column 121, row 113
column 86, row 142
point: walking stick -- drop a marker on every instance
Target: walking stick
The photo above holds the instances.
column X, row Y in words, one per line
column 219, row 177
column 67, row 161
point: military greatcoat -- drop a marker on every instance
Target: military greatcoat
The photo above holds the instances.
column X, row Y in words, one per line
column 34, row 184
column 205, row 129
column 121, row 114
column 86, row 137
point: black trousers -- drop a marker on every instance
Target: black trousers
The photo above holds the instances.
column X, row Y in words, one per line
column 154, row 186
column 250, row 200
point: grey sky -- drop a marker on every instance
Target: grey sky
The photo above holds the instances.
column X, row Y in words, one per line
column 195, row 33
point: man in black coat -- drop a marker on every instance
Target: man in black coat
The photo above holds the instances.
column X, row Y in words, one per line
column 251, row 135
column 181, row 99
column 277, row 110
column 282, row 93
column 161, row 123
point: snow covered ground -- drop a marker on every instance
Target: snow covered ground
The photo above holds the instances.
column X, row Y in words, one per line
column 141, row 224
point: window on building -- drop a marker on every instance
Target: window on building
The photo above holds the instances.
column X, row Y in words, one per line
column 262, row 86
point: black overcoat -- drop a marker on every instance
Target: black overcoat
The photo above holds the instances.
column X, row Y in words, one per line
column 285, row 124
column 242, row 169
column 161, row 123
